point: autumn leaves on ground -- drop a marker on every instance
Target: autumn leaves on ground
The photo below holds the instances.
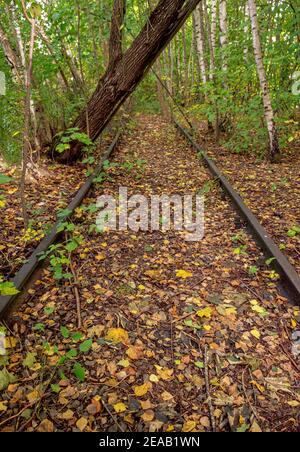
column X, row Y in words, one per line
column 176, row 336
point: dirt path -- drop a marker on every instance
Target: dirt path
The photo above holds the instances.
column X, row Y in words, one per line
column 168, row 325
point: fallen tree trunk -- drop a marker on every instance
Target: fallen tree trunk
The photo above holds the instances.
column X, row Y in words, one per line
column 122, row 77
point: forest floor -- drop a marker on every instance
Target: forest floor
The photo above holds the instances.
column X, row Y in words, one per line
column 270, row 191
column 49, row 189
column 176, row 336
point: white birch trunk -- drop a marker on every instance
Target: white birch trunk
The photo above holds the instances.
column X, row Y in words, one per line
column 199, row 35
column 246, row 31
column 224, row 33
column 214, row 7
column 210, row 43
column 269, row 113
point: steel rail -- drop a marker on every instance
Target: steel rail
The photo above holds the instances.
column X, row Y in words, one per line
column 290, row 278
column 24, row 277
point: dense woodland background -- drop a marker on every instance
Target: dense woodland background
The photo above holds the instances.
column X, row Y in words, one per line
column 209, row 68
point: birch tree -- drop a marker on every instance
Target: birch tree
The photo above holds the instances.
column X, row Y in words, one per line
column 224, row 33
column 200, row 41
column 274, row 150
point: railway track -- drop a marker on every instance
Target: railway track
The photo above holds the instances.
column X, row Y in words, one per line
column 290, row 278
column 191, row 323
column 27, row 274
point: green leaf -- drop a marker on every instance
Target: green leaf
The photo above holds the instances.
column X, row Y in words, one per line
column 56, row 389
column 72, row 354
column 86, row 346
column 39, row 327
column 71, row 246
column 7, row 289
column 6, row 379
column 65, row 332
column 48, row 311
column 77, row 336
column 30, row 360
column 199, row 364
column 79, row 372
column 5, row 179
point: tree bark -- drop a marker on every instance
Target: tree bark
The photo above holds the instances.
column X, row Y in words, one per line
column 116, row 33
column 200, row 41
column 121, row 80
column 224, row 33
column 274, row 150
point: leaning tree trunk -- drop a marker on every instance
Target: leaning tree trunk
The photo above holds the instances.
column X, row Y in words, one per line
column 274, row 150
column 121, row 80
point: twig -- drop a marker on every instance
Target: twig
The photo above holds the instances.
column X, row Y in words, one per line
column 247, row 398
column 30, row 405
column 183, row 317
column 112, row 416
column 290, row 357
column 77, row 297
column 210, row 405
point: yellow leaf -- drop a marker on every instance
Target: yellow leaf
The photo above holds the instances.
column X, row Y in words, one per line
column 154, row 378
column 124, row 363
column 207, row 327
column 294, row 323
column 2, row 203
column 117, row 335
column 189, row 426
column 3, row 407
column 10, row 342
column 101, row 257
column 166, row 396
column 154, row 274
column 183, row 274
column 164, row 374
column 255, row 333
column 120, row 407
column 294, row 403
column 170, row 428
column 33, row 396
column 81, row 424
column 258, row 386
column 206, row 312
column 142, row 390
column 67, row 415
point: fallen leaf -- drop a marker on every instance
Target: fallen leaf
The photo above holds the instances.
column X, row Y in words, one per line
column 189, row 426
column 148, row 416
column 183, row 274
column 81, row 424
column 255, row 333
column 142, row 390
column 206, row 312
column 117, row 335
column 46, row 426
column 120, row 407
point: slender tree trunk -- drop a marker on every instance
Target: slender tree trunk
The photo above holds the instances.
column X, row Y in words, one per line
column 224, row 34
column 209, row 39
column 27, row 112
column 274, row 150
column 246, row 32
column 199, row 33
column 121, row 80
